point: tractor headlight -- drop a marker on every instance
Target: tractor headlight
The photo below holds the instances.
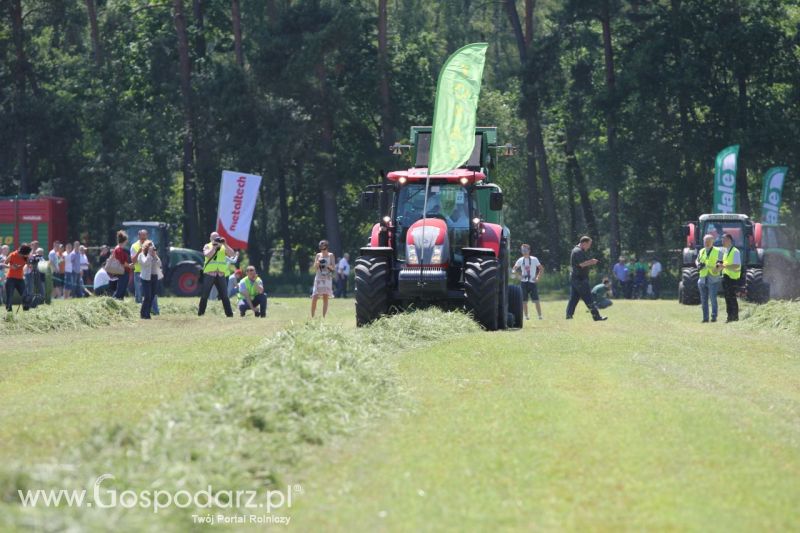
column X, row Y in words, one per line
column 411, row 254
column 436, row 258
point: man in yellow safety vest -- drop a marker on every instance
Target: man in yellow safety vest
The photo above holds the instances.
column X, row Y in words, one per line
column 251, row 294
column 215, row 273
column 709, row 273
column 731, row 263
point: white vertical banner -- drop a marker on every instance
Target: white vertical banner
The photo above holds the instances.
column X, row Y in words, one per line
column 238, row 193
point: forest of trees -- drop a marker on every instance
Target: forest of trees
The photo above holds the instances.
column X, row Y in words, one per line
column 132, row 108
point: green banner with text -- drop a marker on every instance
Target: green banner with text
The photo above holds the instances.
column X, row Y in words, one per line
column 457, row 93
column 772, row 193
column 725, row 180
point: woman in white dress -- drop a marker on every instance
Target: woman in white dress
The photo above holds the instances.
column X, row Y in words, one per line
column 324, row 266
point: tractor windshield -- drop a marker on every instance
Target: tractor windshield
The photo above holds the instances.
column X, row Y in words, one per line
column 448, row 201
column 716, row 228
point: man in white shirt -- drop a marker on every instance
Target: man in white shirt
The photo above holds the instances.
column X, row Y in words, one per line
column 67, row 271
column 655, row 273
column 530, row 271
column 58, row 282
column 342, row 274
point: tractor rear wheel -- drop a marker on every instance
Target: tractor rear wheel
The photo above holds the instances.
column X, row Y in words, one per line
column 482, row 284
column 372, row 289
column 756, row 288
column 515, row 305
column 184, row 280
column 688, row 291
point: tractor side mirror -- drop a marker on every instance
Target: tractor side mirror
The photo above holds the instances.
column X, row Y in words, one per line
column 496, row 201
column 369, row 200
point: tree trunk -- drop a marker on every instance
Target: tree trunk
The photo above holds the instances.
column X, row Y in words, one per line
column 330, row 210
column 535, row 130
column 387, row 129
column 237, row 32
column 529, row 6
column 200, row 23
column 531, row 176
column 574, row 170
column 615, row 240
column 286, row 234
column 191, row 230
column 741, row 171
column 95, row 33
column 573, row 224
column 20, row 66
column 534, row 200
column 551, row 216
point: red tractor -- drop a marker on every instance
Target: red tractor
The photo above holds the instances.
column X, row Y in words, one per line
column 449, row 249
column 747, row 239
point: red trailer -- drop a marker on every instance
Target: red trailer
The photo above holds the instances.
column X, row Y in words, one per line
column 29, row 218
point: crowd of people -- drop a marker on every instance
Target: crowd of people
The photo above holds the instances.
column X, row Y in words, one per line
column 23, row 272
column 635, row 278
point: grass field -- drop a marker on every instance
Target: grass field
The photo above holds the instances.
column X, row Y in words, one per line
column 650, row 420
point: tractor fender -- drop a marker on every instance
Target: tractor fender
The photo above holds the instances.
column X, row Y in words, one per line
column 374, row 238
column 757, row 234
column 477, row 252
column 375, row 235
column 377, row 251
column 689, row 257
column 692, row 236
column 490, row 237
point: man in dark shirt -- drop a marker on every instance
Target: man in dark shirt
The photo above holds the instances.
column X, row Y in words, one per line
column 579, row 281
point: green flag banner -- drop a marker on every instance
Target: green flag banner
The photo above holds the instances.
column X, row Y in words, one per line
column 771, row 195
column 457, row 91
column 725, row 180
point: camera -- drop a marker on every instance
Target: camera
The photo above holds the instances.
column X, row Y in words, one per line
column 34, row 259
column 219, row 240
column 323, row 263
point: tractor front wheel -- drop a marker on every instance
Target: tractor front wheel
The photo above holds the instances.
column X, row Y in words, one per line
column 756, row 288
column 372, row 289
column 482, row 284
column 688, row 291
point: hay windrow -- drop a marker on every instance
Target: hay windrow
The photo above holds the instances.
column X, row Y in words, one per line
column 86, row 313
column 298, row 389
column 775, row 315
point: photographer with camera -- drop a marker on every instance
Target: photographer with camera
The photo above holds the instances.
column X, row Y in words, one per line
column 15, row 275
column 150, row 264
column 215, row 273
column 324, row 267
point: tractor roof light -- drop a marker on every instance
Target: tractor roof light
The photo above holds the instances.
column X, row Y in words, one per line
column 398, row 149
column 385, row 220
column 476, row 221
column 463, row 180
column 507, row 150
column 402, row 180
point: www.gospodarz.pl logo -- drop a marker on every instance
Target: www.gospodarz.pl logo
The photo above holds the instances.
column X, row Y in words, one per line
column 265, row 501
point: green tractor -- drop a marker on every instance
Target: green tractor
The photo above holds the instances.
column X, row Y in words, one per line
column 747, row 237
column 182, row 266
column 781, row 261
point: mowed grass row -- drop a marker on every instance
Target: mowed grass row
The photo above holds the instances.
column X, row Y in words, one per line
column 648, row 421
column 293, row 392
column 55, row 388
